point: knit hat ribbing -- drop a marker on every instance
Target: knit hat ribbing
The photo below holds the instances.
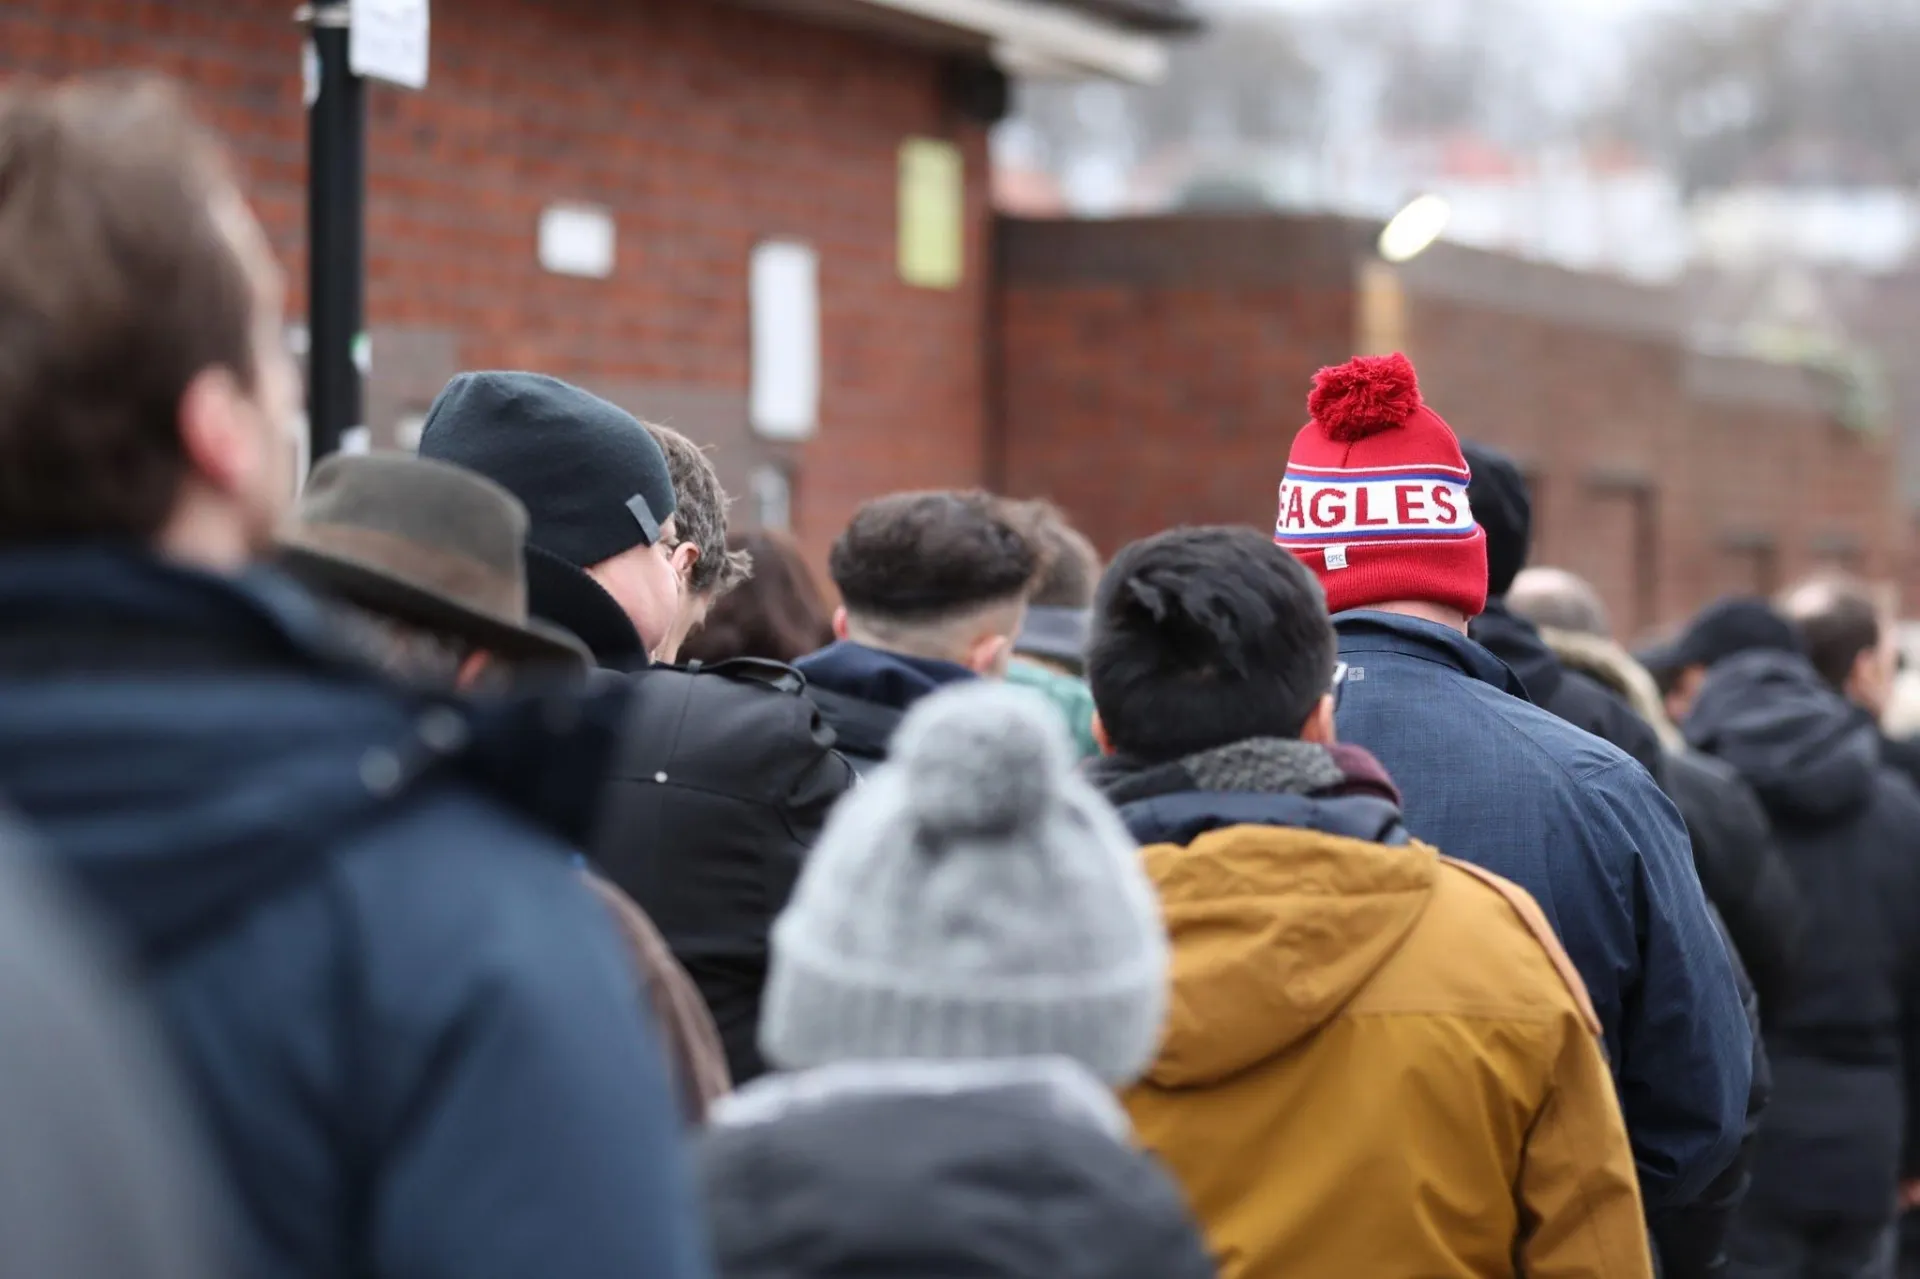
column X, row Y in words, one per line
column 1375, row 496
column 974, row 899
column 593, row 479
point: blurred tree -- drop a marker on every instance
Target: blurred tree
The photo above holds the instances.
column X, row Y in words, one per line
column 1793, row 91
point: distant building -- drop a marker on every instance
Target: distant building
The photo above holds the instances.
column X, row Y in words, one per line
column 586, row 189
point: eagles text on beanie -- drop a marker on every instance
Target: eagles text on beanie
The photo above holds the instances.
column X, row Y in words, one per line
column 1374, row 500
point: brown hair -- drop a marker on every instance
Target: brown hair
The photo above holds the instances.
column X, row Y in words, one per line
column 1073, row 566
column 700, row 516
column 778, row 613
column 118, row 285
column 928, row 556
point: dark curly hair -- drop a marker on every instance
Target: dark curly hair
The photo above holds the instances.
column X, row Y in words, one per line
column 924, row 557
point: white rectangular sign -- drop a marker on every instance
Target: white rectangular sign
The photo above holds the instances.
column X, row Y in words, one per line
column 387, row 40
column 784, row 301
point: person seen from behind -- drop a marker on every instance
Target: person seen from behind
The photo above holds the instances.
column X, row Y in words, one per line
column 1050, row 652
column 933, row 590
column 972, row 961
column 725, row 774
column 1740, row 868
column 709, row 569
column 409, row 1027
column 778, row 614
column 1851, row 640
column 421, row 561
column 1845, row 1052
column 1422, row 1089
column 1745, row 876
column 1375, row 504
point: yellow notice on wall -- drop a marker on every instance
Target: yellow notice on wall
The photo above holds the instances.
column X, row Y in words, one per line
column 932, row 213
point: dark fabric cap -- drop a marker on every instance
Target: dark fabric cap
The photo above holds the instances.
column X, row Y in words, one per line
column 592, row 478
column 1505, row 510
column 1730, row 627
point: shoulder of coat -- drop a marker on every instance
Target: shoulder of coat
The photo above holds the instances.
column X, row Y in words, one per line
column 1535, row 921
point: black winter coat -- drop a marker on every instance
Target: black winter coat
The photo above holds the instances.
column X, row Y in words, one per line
column 1742, row 870
column 725, row 780
column 984, row 1170
column 1843, row 1042
column 726, row 776
column 1572, row 696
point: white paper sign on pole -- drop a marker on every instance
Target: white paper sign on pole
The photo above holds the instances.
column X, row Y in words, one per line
column 784, row 289
column 387, row 40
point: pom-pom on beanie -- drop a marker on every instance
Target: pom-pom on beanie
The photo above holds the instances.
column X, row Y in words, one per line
column 1375, row 496
column 975, row 898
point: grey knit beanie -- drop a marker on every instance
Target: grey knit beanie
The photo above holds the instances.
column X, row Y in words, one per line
column 974, row 899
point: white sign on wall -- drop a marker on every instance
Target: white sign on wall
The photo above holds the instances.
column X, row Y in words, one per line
column 577, row 239
column 387, row 40
column 784, row 299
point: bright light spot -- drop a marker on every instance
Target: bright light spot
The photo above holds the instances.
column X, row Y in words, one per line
column 1415, row 228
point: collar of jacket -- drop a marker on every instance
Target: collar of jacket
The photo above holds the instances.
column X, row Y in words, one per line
column 1069, row 1089
column 876, row 675
column 1263, row 781
column 1364, row 631
column 1518, row 642
column 559, row 593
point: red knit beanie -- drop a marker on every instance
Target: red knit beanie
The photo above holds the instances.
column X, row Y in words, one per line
column 1375, row 496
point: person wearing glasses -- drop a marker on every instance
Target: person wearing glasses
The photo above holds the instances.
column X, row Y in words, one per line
column 1378, row 1061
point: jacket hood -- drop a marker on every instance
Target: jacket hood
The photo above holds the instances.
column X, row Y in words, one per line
column 1517, row 642
column 1286, row 878
column 1274, row 930
column 1607, row 663
column 189, row 744
column 995, row 1170
column 1806, row 752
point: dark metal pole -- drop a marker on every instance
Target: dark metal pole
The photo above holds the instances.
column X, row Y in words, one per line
column 336, row 233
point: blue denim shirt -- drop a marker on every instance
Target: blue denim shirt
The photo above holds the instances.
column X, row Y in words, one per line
column 1492, row 779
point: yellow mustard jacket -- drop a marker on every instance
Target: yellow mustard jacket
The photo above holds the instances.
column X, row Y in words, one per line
column 1380, row 1063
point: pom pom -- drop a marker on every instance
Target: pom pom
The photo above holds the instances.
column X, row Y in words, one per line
column 1365, row 396
column 981, row 759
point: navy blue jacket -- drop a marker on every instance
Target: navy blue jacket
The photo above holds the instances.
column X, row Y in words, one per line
column 863, row 694
column 1490, row 778
column 411, row 1031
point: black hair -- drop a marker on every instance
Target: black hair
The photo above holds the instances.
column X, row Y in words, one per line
column 924, row 557
column 1203, row 637
column 1846, row 625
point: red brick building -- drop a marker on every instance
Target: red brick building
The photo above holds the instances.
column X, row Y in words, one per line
column 1154, row 372
column 1142, row 373
column 703, row 128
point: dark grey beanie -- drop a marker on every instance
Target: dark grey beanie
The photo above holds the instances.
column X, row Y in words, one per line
column 592, row 478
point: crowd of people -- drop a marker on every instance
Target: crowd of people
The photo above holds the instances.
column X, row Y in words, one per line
column 486, row 862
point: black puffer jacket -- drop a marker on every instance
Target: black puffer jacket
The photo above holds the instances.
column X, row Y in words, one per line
column 1742, row 869
column 725, row 780
column 986, row 1170
column 1843, row 1041
column 1579, row 700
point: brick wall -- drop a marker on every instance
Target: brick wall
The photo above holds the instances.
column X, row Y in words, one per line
column 1154, row 372
column 704, row 127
